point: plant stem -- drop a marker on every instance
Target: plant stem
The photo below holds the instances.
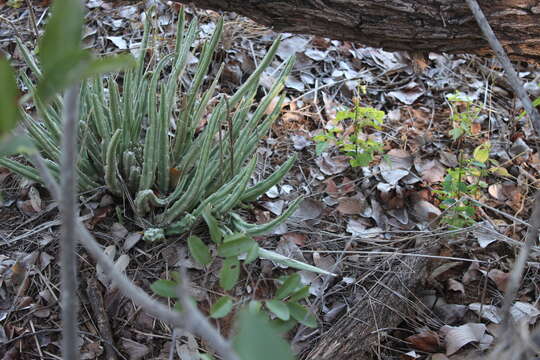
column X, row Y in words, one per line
column 69, row 211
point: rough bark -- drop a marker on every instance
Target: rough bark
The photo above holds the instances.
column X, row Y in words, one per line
column 410, row 25
column 383, row 304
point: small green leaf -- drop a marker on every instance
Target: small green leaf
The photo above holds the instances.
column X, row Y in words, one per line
column 499, row 171
column 300, row 294
column 62, row 33
column 278, row 308
column 288, row 286
column 283, row 327
column 254, row 306
column 213, row 227
column 481, row 153
column 343, row 115
column 252, row 254
column 205, row 357
column 166, row 288
column 19, row 144
column 228, row 276
column 9, row 110
column 221, row 307
column 302, row 314
column 233, row 246
column 199, row 250
column 257, row 339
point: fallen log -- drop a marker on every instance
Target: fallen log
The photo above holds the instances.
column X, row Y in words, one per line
column 382, row 302
column 409, row 25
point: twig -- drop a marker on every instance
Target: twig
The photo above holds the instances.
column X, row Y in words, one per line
column 511, row 74
column 69, row 211
column 96, row 301
column 519, row 266
column 33, row 19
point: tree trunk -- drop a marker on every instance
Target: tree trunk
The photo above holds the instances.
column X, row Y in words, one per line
column 410, row 25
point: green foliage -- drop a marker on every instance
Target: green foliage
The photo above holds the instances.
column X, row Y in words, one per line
column 466, row 180
column 222, row 307
column 9, row 111
column 256, row 339
column 464, row 111
column 199, row 250
column 174, row 172
column 358, row 145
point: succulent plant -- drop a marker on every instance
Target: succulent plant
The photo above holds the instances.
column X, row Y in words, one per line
column 140, row 134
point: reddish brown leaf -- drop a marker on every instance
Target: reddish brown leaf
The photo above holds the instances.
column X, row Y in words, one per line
column 427, row 341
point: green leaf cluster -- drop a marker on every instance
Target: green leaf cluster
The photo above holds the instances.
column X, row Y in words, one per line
column 466, row 180
column 464, row 110
column 358, row 145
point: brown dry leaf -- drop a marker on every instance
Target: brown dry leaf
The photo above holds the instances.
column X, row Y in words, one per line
column 135, row 350
column 332, row 165
column 500, row 278
column 351, row 205
column 425, row 211
column 331, row 188
column 455, row 285
column 35, row 199
column 427, row 341
column 297, row 238
column 496, row 191
column 472, row 273
column 449, row 159
column 476, row 128
column 309, row 209
column 431, row 171
column 457, row 337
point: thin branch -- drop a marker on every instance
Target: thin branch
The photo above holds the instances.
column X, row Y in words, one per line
column 519, row 266
column 511, row 74
column 69, row 211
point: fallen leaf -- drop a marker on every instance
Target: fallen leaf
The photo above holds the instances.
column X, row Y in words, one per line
column 275, row 207
column 431, row 171
column 488, row 312
column 425, row 211
column 35, row 199
column 500, row 278
column 455, row 285
column 427, row 341
column 409, row 94
column 119, row 230
column 352, row 205
column 135, row 350
column 131, row 240
column 118, row 41
column 297, row 238
column 332, row 165
column 457, row 337
column 309, row 209
column 524, row 311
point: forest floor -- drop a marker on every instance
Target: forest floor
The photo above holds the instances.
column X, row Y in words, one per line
column 358, row 222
